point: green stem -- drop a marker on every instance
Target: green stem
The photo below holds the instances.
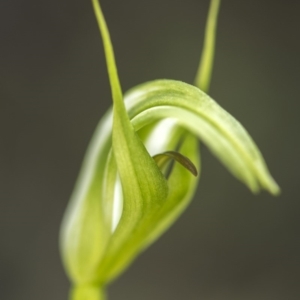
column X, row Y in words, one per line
column 87, row 292
column 203, row 76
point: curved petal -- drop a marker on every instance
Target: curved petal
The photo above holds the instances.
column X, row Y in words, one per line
column 84, row 235
column 195, row 110
column 181, row 188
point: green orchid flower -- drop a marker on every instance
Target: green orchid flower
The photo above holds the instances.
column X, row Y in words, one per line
column 142, row 167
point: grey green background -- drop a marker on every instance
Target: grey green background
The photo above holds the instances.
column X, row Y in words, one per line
column 54, row 89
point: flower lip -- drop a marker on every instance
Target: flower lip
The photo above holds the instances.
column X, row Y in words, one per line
column 162, row 159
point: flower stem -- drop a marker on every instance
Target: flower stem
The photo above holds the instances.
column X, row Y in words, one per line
column 87, row 292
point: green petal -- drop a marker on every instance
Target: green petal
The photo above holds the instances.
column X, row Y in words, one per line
column 109, row 202
column 84, row 235
column 200, row 114
column 144, row 186
column 182, row 185
column 181, row 188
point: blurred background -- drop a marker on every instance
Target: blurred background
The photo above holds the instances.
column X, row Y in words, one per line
column 54, row 89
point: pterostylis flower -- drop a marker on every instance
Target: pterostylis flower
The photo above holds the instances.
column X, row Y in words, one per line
column 142, row 168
